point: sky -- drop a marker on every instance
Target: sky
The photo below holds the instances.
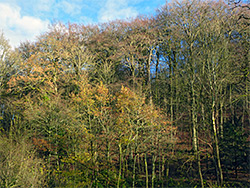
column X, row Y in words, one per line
column 24, row 20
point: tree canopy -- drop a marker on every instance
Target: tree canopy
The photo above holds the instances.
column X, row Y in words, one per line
column 160, row 101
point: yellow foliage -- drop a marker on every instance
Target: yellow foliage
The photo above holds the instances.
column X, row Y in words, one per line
column 77, row 157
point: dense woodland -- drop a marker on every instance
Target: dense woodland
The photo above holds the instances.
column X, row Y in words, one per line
column 154, row 101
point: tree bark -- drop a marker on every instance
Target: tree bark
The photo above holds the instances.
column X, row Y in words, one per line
column 217, row 152
column 146, row 170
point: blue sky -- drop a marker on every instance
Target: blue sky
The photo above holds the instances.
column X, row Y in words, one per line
column 22, row 20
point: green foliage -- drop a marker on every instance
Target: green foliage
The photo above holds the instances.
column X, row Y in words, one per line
column 235, row 147
column 19, row 166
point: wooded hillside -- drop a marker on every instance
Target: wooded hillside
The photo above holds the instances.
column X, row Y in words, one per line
column 159, row 101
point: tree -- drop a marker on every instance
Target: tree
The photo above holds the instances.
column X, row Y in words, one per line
column 133, row 103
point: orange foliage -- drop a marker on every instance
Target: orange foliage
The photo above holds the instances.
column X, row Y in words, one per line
column 41, row 144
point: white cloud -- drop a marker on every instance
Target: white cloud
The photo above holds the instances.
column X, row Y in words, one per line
column 116, row 9
column 18, row 28
column 44, row 5
column 70, row 8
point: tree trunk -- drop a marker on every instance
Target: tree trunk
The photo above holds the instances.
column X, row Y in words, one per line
column 217, row 152
column 162, row 170
column 195, row 134
column 221, row 119
column 120, row 165
column 153, row 170
column 146, row 170
column 134, row 166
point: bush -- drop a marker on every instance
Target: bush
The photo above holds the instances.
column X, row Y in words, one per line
column 19, row 167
